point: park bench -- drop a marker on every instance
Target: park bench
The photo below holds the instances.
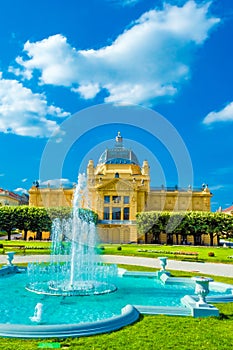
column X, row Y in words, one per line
column 20, row 247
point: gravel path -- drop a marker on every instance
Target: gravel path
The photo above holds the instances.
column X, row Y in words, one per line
column 205, row 268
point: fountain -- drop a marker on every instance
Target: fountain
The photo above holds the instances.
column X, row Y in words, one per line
column 74, row 269
column 37, row 317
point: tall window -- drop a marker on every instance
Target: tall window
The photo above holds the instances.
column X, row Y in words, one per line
column 116, row 213
column 106, row 213
column 126, row 214
column 126, row 199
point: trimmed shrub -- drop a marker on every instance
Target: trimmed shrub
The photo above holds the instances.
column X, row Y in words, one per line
column 211, row 254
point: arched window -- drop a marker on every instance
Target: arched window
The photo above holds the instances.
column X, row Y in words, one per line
column 117, row 175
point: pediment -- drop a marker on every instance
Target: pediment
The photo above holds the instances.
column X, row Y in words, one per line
column 116, row 185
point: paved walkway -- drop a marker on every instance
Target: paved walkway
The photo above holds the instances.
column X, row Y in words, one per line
column 205, row 268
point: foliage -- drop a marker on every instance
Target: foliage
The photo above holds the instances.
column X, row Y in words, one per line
column 59, row 212
column 66, row 212
column 37, row 219
column 185, row 223
column 7, row 220
column 88, row 215
column 32, row 219
column 211, row 254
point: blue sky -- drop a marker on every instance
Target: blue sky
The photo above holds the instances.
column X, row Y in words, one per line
column 63, row 63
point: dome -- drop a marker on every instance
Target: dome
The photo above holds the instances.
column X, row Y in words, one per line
column 119, row 154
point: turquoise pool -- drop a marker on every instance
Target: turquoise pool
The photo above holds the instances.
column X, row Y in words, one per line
column 17, row 304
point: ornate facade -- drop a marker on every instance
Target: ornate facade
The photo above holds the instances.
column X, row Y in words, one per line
column 11, row 198
column 119, row 188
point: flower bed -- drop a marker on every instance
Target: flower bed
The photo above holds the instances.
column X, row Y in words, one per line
column 175, row 253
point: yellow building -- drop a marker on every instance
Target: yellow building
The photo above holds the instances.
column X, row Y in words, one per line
column 11, row 198
column 119, row 188
column 50, row 196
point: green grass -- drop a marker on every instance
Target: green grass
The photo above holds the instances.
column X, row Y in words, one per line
column 153, row 332
column 41, row 247
column 153, row 251
column 221, row 254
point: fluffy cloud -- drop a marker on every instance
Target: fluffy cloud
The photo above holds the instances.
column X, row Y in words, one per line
column 21, row 190
column 57, row 183
column 24, row 113
column 224, row 115
column 147, row 61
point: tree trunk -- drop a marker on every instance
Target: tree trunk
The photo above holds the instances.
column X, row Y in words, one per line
column 39, row 235
column 9, row 235
column 25, row 234
column 211, row 239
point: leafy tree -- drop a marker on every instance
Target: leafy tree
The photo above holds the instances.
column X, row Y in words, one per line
column 59, row 212
column 152, row 223
column 218, row 224
column 177, row 224
column 41, row 222
column 186, row 223
column 7, row 220
column 25, row 219
column 88, row 215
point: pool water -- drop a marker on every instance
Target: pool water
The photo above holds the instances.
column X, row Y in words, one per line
column 17, row 304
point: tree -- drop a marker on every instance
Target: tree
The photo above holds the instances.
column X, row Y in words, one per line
column 41, row 222
column 7, row 220
column 66, row 212
column 88, row 215
column 25, row 217
column 193, row 223
column 177, row 225
column 218, row 224
column 59, row 212
column 152, row 223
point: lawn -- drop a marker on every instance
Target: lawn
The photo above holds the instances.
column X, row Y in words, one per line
column 152, row 332
column 39, row 247
column 221, row 254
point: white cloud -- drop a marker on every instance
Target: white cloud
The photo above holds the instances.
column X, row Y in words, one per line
column 24, row 113
column 87, row 91
column 149, row 60
column 224, row 115
column 24, row 180
column 56, row 182
column 21, row 190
